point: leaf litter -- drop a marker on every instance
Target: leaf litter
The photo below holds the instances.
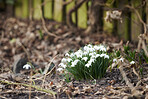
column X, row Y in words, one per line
column 23, row 39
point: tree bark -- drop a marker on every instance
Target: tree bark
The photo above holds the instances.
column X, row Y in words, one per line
column 95, row 17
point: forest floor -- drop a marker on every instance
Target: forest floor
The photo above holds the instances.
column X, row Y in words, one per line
column 27, row 39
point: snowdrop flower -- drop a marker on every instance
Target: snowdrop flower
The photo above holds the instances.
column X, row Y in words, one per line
column 85, row 53
column 59, row 69
column 121, row 59
column 114, row 60
column 92, row 54
column 62, row 65
column 91, row 49
column 91, row 61
column 67, row 54
column 85, row 48
column 27, row 66
column 132, row 62
column 79, row 53
column 69, row 59
column 102, row 48
column 89, row 45
column 102, row 55
column 72, row 55
column 106, row 56
column 64, row 60
column 74, row 63
column 85, row 59
column 98, row 55
column 88, row 65
column 96, row 47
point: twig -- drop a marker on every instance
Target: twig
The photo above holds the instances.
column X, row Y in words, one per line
column 128, row 83
column 142, row 37
column 134, row 91
column 44, row 25
column 138, row 15
column 2, row 97
column 47, row 68
column 25, row 50
column 144, row 48
column 134, row 71
column 32, row 86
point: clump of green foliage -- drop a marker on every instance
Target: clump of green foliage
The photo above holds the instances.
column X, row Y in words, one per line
column 89, row 62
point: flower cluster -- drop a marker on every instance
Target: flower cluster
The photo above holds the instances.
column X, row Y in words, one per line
column 86, row 61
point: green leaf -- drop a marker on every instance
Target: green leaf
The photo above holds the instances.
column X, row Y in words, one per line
column 41, row 34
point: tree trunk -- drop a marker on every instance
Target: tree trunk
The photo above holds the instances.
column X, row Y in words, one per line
column 96, row 17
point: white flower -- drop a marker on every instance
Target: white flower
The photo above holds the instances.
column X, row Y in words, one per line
column 89, row 45
column 114, row 60
column 64, row 60
column 59, row 69
column 92, row 54
column 89, row 48
column 74, row 63
column 62, row 65
column 102, row 55
column 91, row 61
column 88, row 65
column 85, row 48
column 79, row 53
column 132, row 62
column 69, row 59
column 98, row 55
column 67, row 54
column 121, row 59
column 106, row 56
column 85, row 59
column 72, row 55
column 27, row 66
column 102, row 48
column 85, row 53
column 96, row 47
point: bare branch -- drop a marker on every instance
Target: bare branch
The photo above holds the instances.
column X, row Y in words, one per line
column 69, row 16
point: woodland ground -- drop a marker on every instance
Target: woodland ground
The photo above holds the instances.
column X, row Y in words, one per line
column 23, row 38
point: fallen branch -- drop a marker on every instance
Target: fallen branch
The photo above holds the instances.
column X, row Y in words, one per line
column 128, row 83
column 134, row 91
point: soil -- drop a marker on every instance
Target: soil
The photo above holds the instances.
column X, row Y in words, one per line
column 27, row 39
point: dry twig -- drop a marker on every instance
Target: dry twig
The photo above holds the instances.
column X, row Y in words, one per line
column 142, row 37
column 44, row 25
column 32, row 86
